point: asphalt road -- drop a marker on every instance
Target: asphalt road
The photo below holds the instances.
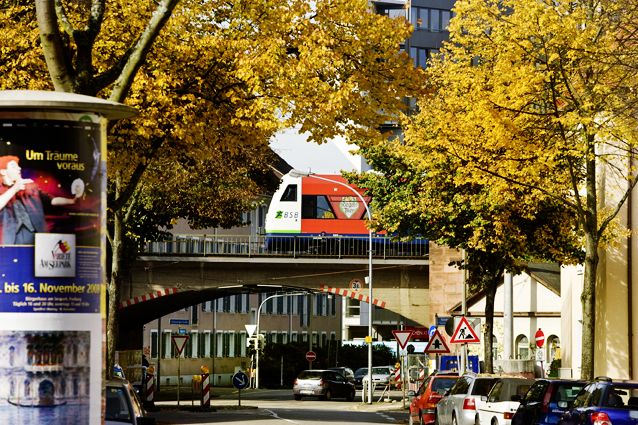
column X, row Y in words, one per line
column 279, row 407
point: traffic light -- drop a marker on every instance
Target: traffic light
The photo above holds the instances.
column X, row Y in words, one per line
column 252, row 349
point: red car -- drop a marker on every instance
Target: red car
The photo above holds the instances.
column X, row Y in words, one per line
column 431, row 392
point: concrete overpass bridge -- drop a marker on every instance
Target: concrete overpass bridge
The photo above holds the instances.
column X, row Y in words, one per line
column 183, row 272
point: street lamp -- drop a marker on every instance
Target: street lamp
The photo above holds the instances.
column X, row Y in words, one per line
column 257, row 330
column 297, row 173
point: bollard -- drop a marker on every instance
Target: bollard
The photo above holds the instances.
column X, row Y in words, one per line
column 421, row 374
column 205, row 390
column 150, row 387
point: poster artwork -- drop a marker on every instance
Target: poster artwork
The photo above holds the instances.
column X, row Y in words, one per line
column 52, row 239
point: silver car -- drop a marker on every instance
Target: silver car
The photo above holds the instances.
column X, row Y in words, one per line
column 324, row 384
column 459, row 405
column 123, row 406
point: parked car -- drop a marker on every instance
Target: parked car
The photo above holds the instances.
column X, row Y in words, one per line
column 604, row 401
column 324, row 384
column 428, row 395
column 458, row 407
column 382, row 376
column 345, row 371
column 123, row 406
column 358, row 377
column 546, row 401
column 498, row 407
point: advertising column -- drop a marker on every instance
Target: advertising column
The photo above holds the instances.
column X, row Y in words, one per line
column 52, row 257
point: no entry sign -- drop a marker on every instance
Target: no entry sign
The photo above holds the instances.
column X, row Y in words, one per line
column 311, row 356
column 540, row 338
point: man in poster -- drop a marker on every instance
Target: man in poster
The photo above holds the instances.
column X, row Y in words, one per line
column 21, row 205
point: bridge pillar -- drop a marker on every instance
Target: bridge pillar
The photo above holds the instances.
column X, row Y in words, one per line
column 445, row 280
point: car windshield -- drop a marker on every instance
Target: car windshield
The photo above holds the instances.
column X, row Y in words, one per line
column 360, row 372
column 311, row 375
column 443, row 384
column 117, row 408
column 380, row 371
column 566, row 391
column 483, row 386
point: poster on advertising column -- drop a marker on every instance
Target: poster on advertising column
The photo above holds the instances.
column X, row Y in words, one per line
column 52, row 243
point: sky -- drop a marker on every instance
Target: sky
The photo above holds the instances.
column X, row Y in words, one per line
column 327, row 158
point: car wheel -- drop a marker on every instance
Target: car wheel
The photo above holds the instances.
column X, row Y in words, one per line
column 436, row 417
column 351, row 395
column 297, row 397
column 454, row 421
column 421, row 419
column 328, row 395
column 477, row 420
column 411, row 421
column 494, row 421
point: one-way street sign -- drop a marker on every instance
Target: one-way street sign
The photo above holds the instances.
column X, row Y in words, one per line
column 437, row 344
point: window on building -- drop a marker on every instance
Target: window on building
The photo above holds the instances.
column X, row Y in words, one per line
column 553, row 345
column 280, row 305
column 494, row 348
column 220, row 345
column 522, row 347
column 154, row 344
column 192, row 346
column 194, row 315
column 353, row 307
column 333, row 336
column 294, row 337
column 333, row 306
column 231, row 344
column 241, row 346
column 284, row 337
column 304, row 336
column 219, row 302
column 167, row 345
column 290, row 194
column 314, row 338
column 324, row 339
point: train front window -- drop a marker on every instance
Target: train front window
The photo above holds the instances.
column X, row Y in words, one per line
column 290, row 194
column 313, row 206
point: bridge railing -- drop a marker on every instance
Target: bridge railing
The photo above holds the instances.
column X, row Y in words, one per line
column 293, row 246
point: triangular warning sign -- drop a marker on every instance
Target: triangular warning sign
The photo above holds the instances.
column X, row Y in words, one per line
column 180, row 342
column 464, row 333
column 402, row 337
column 437, row 344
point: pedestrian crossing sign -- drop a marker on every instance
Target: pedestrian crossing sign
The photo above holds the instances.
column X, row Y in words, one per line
column 437, row 344
column 464, row 333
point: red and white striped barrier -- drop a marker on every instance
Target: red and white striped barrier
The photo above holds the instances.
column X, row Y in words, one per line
column 421, row 374
column 351, row 294
column 150, row 388
column 147, row 297
column 205, row 390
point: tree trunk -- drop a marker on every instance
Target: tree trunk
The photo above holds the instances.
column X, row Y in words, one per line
column 115, row 280
column 490, row 295
column 588, row 300
column 588, row 296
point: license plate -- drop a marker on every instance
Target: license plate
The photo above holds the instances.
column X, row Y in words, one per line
column 633, row 414
column 305, row 391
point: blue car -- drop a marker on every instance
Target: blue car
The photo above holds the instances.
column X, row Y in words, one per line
column 604, row 402
column 546, row 401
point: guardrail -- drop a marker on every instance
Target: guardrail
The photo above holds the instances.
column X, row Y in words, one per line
column 292, row 246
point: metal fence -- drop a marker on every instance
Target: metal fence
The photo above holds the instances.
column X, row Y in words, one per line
column 292, row 246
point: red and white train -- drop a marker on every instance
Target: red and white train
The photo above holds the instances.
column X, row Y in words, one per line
column 307, row 213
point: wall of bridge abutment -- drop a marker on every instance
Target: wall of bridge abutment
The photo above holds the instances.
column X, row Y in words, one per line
column 402, row 284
